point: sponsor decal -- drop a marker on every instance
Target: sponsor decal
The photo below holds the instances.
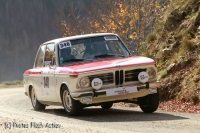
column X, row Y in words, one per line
column 65, row 45
column 97, row 83
column 143, row 77
column 123, row 91
column 109, row 38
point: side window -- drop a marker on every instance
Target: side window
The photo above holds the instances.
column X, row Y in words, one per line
column 40, row 56
column 49, row 54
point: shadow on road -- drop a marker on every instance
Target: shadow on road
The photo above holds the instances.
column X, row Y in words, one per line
column 115, row 115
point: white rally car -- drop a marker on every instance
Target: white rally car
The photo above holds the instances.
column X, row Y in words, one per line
column 87, row 70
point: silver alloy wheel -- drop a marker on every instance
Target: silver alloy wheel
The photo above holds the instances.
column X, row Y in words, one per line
column 67, row 100
column 33, row 98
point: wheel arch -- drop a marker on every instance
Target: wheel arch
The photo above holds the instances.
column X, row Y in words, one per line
column 29, row 90
column 63, row 84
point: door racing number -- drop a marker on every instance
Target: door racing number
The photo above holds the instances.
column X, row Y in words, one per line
column 45, row 86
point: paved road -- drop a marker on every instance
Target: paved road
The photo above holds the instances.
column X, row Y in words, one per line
column 17, row 115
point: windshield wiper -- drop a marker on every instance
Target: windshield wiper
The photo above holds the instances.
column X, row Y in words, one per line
column 105, row 55
column 73, row 60
column 108, row 55
column 120, row 55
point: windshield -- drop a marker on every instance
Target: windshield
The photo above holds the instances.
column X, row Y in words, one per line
column 91, row 49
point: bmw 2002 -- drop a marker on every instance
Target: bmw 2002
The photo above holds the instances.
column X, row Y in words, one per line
column 87, row 70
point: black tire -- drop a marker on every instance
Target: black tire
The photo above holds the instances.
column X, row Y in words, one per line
column 71, row 106
column 106, row 105
column 149, row 103
column 35, row 103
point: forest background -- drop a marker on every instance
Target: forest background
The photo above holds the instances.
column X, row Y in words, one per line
column 25, row 24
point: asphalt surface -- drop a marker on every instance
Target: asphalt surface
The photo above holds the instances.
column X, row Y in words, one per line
column 17, row 115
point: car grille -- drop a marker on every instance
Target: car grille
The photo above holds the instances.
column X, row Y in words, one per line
column 107, row 78
column 120, row 76
column 132, row 75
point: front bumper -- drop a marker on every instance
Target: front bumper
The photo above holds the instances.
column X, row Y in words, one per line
column 100, row 95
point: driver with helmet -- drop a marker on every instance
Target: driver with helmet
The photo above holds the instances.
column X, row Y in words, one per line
column 65, row 54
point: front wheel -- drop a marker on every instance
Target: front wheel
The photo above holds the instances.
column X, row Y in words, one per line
column 149, row 103
column 71, row 106
column 35, row 103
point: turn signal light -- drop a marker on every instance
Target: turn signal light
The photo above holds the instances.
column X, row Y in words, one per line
column 73, row 75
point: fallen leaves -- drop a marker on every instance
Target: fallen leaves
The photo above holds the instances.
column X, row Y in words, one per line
column 170, row 106
column 179, row 106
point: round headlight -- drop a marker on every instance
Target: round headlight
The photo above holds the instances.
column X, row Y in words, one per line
column 151, row 72
column 84, row 82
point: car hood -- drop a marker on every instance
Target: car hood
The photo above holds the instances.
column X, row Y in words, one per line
column 105, row 64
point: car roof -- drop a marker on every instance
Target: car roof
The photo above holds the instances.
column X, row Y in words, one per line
column 78, row 37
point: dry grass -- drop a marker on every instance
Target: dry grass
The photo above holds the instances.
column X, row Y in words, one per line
column 163, row 74
column 151, row 37
column 8, row 84
column 187, row 43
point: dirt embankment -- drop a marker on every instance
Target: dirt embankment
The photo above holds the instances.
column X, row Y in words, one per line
column 175, row 45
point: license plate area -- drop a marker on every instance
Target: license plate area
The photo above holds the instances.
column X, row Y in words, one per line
column 121, row 90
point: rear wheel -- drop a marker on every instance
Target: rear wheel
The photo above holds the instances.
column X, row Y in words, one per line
column 35, row 103
column 149, row 103
column 106, row 105
column 71, row 106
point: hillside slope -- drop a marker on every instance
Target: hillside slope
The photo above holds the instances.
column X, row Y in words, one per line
column 175, row 44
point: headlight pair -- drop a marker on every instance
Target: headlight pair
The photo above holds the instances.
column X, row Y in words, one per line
column 96, row 83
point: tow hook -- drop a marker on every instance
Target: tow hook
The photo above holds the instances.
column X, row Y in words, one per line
column 94, row 93
column 147, row 85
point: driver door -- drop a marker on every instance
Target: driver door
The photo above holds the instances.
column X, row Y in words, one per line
column 48, row 80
